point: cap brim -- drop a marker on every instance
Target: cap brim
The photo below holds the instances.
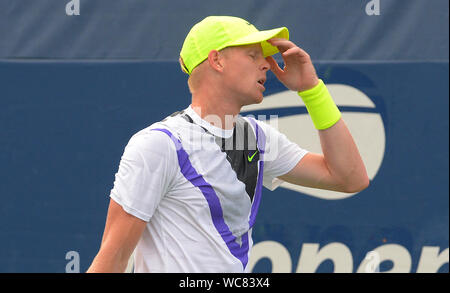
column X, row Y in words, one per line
column 262, row 37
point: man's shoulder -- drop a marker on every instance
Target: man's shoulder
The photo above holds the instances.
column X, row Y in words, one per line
column 146, row 139
column 158, row 134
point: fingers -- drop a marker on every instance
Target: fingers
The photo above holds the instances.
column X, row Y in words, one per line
column 287, row 48
column 274, row 66
column 297, row 52
column 282, row 44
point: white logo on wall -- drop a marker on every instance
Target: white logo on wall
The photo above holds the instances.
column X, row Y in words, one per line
column 73, row 8
column 366, row 128
column 312, row 255
column 368, row 131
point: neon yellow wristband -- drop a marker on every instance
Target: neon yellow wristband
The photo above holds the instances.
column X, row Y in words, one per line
column 321, row 107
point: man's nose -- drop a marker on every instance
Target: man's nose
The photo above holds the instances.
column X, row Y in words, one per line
column 265, row 66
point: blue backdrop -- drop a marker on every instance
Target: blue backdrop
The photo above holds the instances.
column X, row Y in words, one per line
column 65, row 125
column 73, row 89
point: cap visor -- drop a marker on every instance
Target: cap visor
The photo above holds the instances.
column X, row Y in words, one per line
column 262, row 37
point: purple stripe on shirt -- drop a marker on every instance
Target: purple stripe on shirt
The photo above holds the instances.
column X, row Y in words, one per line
column 261, row 141
column 189, row 172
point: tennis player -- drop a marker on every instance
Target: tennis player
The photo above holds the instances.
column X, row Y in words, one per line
column 188, row 188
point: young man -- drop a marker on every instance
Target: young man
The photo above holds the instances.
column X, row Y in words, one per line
column 188, row 188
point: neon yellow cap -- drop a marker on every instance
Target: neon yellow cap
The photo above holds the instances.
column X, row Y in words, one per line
column 219, row 32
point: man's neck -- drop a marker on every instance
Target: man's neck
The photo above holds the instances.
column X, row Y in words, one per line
column 216, row 111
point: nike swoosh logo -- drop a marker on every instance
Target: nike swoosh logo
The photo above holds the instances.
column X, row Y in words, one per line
column 251, row 158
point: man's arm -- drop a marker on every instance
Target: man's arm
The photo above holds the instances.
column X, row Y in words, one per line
column 122, row 233
column 340, row 168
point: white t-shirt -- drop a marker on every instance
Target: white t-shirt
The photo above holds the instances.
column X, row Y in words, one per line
column 199, row 187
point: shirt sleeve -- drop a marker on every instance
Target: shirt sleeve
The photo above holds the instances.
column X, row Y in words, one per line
column 146, row 170
column 280, row 155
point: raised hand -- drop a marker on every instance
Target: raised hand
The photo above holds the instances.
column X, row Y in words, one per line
column 298, row 73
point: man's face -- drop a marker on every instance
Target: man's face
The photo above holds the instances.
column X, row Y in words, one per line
column 245, row 73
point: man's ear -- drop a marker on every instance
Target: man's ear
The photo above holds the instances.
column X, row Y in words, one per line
column 215, row 60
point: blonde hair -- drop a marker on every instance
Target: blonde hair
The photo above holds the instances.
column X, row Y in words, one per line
column 193, row 77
